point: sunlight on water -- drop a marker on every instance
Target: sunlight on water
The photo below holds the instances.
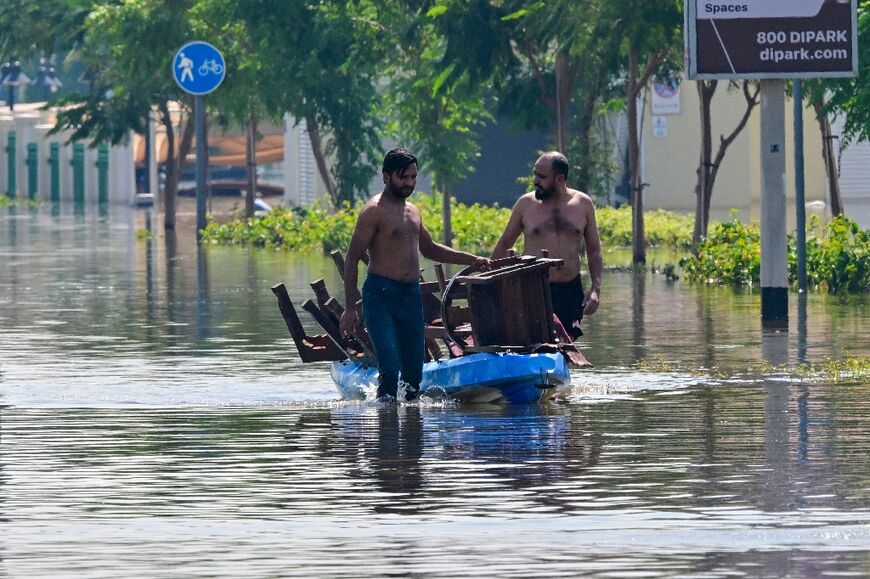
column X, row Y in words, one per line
column 155, row 420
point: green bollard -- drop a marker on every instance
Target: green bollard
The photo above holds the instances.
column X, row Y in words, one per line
column 11, row 190
column 54, row 166
column 32, row 170
column 78, row 167
column 103, row 174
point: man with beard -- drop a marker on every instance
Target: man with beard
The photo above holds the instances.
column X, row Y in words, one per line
column 556, row 218
column 390, row 229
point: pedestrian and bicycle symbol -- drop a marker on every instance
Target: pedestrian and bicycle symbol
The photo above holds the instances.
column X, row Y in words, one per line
column 198, row 67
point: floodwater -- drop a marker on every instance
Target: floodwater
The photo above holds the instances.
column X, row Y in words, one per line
column 155, row 420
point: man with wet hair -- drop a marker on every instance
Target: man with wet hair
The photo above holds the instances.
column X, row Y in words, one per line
column 556, row 218
column 390, row 229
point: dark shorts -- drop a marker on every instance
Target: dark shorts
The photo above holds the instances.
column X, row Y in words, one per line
column 568, row 304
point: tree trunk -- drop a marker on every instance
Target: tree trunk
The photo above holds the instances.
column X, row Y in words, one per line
column 830, row 159
column 708, row 167
column 446, row 194
column 638, row 235
column 175, row 158
column 563, row 87
column 706, row 90
column 251, row 165
column 320, row 160
column 170, row 183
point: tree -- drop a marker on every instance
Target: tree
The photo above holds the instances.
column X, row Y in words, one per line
column 650, row 33
column 848, row 98
column 550, row 65
column 434, row 107
column 708, row 166
column 130, row 81
column 320, row 61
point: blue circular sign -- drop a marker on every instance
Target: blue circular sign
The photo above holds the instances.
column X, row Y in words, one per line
column 198, row 67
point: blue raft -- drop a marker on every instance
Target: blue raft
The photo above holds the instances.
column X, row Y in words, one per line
column 475, row 378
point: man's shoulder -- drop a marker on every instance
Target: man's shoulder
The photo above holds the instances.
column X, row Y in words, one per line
column 581, row 199
column 525, row 200
column 579, row 196
column 371, row 209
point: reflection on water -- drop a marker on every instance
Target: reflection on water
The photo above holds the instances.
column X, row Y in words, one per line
column 155, row 420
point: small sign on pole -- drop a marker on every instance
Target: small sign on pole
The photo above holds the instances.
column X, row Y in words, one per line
column 199, row 68
column 666, row 97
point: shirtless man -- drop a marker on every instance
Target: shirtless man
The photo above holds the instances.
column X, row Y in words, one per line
column 389, row 228
column 556, row 218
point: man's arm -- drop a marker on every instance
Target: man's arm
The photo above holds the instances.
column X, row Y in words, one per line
column 511, row 233
column 593, row 259
column 363, row 233
column 435, row 251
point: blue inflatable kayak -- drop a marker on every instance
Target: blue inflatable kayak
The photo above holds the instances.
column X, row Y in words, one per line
column 475, row 378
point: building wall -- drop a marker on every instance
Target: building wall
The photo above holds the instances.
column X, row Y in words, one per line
column 31, row 126
column 670, row 162
column 854, row 177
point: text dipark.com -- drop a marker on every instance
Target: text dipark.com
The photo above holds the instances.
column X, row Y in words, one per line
column 776, row 55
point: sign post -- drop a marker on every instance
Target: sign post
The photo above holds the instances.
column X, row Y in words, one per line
column 198, row 68
column 772, row 40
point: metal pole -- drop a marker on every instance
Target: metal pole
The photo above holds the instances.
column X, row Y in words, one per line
column 78, row 166
column 54, row 165
column 774, row 266
column 103, row 174
column 800, row 207
column 32, row 170
column 199, row 125
column 12, row 166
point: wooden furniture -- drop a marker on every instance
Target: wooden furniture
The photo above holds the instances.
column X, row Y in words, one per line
column 510, row 305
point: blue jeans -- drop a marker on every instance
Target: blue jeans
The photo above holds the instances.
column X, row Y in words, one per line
column 393, row 314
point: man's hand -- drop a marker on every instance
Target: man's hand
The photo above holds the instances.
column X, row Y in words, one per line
column 592, row 302
column 482, row 263
column 349, row 323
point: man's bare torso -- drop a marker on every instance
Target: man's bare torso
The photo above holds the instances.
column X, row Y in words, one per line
column 394, row 252
column 557, row 225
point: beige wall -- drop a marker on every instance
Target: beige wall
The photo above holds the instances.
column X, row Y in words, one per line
column 670, row 163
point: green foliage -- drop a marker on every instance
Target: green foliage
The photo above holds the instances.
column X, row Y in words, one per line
column 837, row 261
column 476, row 228
column 663, row 228
column 300, row 230
column 433, row 109
column 850, row 97
column 730, row 254
column 6, row 201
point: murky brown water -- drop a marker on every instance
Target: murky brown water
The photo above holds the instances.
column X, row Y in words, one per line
column 155, row 421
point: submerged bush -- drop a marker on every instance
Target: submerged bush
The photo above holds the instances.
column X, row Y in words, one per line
column 662, row 228
column 838, row 259
column 476, row 227
column 730, row 254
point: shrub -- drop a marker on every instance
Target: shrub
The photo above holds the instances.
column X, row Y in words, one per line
column 838, row 259
column 730, row 254
column 476, row 227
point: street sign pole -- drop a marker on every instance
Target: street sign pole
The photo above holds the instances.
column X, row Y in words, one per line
column 774, row 268
column 799, row 201
column 198, row 68
column 766, row 40
column 199, row 125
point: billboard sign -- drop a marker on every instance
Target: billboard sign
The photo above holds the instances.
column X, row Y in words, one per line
column 771, row 38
